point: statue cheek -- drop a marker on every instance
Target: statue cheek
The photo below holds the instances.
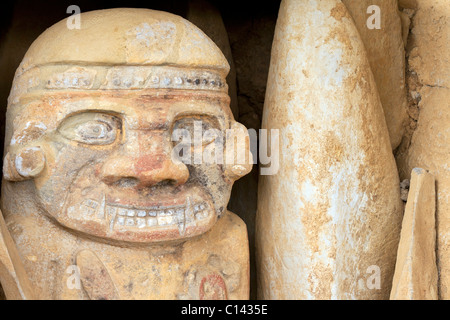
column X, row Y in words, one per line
column 27, row 164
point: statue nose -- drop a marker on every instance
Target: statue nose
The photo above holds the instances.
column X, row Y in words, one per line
column 145, row 161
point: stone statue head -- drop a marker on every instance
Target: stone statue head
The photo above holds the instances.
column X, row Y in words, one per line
column 90, row 128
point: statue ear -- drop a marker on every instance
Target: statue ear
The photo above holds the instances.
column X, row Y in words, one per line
column 239, row 159
column 27, row 164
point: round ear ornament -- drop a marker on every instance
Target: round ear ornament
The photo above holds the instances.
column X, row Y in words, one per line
column 27, row 164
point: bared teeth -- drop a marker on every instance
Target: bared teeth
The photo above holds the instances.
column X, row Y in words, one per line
column 151, row 222
column 141, row 213
column 102, row 209
column 165, row 220
column 111, row 211
column 181, row 217
column 189, row 211
column 152, row 217
column 201, row 215
column 141, row 223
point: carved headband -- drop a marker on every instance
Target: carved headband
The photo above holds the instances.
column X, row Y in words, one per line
column 63, row 77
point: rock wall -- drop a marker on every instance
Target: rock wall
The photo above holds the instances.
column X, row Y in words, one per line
column 427, row 142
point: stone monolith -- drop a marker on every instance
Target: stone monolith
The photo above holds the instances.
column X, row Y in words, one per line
column 328, row 221
column 379, row 25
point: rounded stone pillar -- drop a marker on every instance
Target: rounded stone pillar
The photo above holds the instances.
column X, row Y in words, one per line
column 328, row 221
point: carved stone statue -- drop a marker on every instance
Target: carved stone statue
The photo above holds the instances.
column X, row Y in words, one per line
column 96, row 202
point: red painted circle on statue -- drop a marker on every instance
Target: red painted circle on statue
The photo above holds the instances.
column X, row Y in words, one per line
column 212, row 287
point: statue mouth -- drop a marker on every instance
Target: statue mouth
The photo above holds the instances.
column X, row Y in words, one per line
column 140, row 216
column 181, row 216
column 140, row 220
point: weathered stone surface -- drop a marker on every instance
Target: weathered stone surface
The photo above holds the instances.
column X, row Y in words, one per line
column 94, row 176
column 205, row 16
column 12, row 272
column 428, row 146
column 151, row 272
column 386, row 54
column 406, row 24
column 430, row 57
column 430, row 149
column 133, row 45
column 332, row 213
column 410, row 4
column 416, row 274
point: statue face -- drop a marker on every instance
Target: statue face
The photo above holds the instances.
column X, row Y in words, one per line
column 109, row 170
column 92, row 127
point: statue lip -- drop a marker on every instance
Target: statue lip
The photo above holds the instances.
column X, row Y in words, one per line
column 146, row 203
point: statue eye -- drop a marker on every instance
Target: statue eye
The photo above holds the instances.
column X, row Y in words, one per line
column 94, row 130
column 199, row 130
column 91, row 128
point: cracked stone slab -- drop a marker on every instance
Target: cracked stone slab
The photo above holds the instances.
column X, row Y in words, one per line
column 416, row 274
